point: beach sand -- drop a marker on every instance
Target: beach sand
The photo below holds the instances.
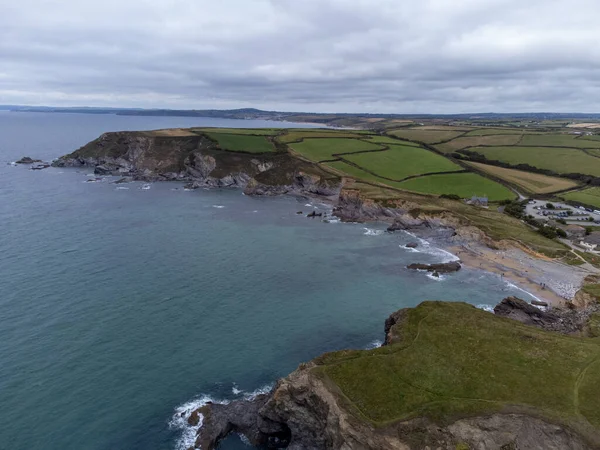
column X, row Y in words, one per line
column 546, row 279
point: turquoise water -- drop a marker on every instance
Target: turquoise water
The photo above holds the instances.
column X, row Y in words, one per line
column 120, row 306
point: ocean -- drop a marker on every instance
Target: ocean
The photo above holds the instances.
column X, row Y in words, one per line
column 122, row 306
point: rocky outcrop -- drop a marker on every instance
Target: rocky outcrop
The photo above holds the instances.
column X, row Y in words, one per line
column 453, row 266
column 197, row 160
column 566, row 321
column 28, row 160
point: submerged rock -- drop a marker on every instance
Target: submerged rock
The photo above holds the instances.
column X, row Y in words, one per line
column 448, row 267
column 412, row 245
column 314, row 214
column 40, row 165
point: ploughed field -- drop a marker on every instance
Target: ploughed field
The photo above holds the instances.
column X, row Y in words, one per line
column 451, row 360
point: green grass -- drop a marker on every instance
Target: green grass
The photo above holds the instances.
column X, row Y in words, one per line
column 296, row 136
column 592, row 289
column 426, row 136
column 242, row 143
column 324, row 149
column 464, row 185
column 474, row 141
column 589, row 196
column 249, row 131
column 360, row 174
column 559, row 160
column 558, row 140
column 494, row 131
column 402, row 161
column 390, row 141
column 450, row 360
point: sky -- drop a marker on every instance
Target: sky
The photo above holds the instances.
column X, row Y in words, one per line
column 375, row 56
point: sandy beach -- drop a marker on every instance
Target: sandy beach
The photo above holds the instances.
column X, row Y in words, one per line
column 550, row 281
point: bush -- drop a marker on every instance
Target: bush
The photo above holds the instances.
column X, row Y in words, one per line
column 450, row 196
column 563, row 221
column 549, row 206
column 588, row 230
column 561, row 233
column 548, row 232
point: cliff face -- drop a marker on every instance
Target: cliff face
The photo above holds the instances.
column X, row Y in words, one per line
column 398, row 397
column 197, row 160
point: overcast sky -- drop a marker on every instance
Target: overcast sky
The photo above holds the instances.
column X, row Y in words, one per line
column 400, row 56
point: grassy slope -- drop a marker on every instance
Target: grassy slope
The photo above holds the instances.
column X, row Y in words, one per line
column 531, row 182
column 452, row 360
column 462, row 184
column 493, row 131
column 323, row 149
column 590, row 196
column 403, row 161
column 559, row 160
column 242, row 143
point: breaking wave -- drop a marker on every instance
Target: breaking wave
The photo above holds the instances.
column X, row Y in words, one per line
column 372, row 232
column 487, row 308
column 189, row 433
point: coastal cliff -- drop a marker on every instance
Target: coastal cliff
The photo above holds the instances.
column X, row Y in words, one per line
column 196, row 159
column 449, row 376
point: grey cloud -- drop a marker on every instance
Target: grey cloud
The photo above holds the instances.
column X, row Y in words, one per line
column 436, row 56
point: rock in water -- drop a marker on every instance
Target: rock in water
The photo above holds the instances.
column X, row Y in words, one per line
column 448, row 267
column 412, row 245
column 28, row 160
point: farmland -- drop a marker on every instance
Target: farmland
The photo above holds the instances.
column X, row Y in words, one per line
column 402, row 161
column 475, row 141
column 426, row 136
column 297, row 136
column 249, row 131
column 530, row 182
column 325, row 149
column 556, row 159
column 559, row 140
column 389, row 141
column 462, row 184
column 590, row 196
column 242, row 143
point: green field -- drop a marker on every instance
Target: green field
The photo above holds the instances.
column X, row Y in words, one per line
column 493, row 131
column 475, row 141
column 296, row 136
column 559, row 140
column 426, row 136
column 402, row 161
column 386, row 140
column 251, row 131
column 589, row 196
column 559, row 160
column 464, row 185
column 451, row 360
column 242, row 143
column 324, row 149
column 360, row 174
column 531, row 182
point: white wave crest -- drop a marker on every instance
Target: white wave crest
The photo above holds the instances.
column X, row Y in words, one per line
column 375, row 344
column 509, row 284
column 372, row 232
column 426, row 247
column 260, row 391
column 179, row 421
column 218, row 206
column 487, row 308
column 433, row 277
column 121, row 188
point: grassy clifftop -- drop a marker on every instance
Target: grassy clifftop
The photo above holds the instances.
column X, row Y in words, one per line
column 447, row 361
